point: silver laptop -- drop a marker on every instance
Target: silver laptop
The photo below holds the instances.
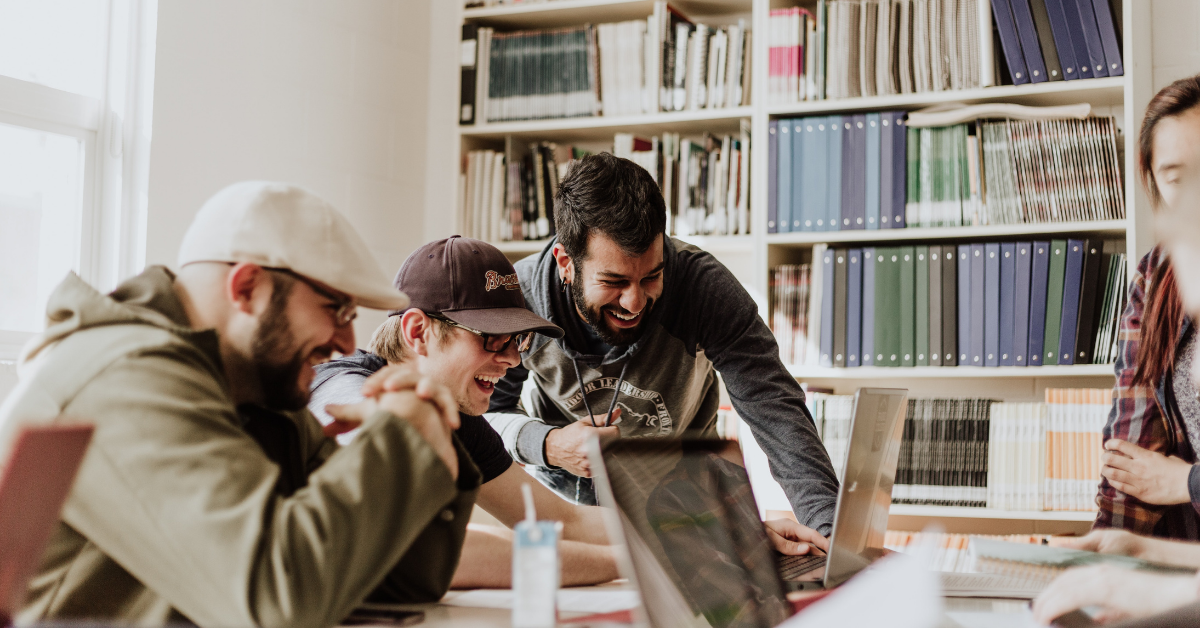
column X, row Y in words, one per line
column 698, row 551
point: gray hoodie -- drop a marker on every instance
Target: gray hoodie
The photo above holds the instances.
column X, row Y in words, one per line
column 703, row 324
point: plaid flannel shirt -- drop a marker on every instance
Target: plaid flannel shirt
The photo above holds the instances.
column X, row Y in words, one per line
column 1148, row 417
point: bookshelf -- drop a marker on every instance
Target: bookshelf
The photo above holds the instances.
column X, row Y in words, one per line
column 751, row 257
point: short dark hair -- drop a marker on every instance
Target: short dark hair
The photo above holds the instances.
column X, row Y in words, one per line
column 613, row 196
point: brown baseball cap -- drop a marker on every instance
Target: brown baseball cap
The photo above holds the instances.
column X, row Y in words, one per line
column 471, row 283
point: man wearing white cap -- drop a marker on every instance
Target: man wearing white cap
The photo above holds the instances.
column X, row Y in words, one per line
column 210, row 494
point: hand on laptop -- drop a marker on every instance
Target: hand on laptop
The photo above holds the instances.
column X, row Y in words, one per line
column 791, row 538
column 1121, row 593
column 566, row 447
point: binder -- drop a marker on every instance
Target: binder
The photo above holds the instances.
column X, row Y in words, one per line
column 874, row 174
column 833, row 194
column 991, row 304
column 1041, row 20
column 812, row 201
column 1091, row 38
column 1109, row 37
column 899, row 163
column 887, row 299
column 935, row 306
column 1030, row 46
column 1072, row 284
column 908, row 308
column 469, row 64
column 921, row 303
column 1090, row 301
column 949, row 305
column 1054, row 300
column 1008, row 275
column 854, row 281
column 1038, row 279
column 849, row 182
column 886, row 169
column 827, row 290
column 1063, row 44
column 783, row 182
column 1079, row 40
column 978, row 313
column 1021, row 290
column 840, row 294
column 855, row 178
column 964, row 305
column 799, row 163
column 1010, row 42
column 868, row 307
column 816, row 308
column 773, row 169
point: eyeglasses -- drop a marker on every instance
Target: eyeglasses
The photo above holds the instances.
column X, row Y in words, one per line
column 494, row 343
column 347, row 308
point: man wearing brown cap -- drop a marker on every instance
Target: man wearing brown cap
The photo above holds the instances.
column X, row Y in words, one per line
column 464, row 328
column 210, row 494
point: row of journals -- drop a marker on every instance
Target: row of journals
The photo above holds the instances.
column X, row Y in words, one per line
column 501, row 199
column 980, row 304
column 985, row 453
column 873, row 171
column 863, row 48
column 662, row 63
column 1056, row 40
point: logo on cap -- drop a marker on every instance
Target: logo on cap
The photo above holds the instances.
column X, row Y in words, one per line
column 495, row 280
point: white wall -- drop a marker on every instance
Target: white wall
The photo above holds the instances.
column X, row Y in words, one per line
column 1175, row 24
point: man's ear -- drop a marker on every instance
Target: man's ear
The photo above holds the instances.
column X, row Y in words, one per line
column 247, row 283
column 416, row 331
column 566, row 267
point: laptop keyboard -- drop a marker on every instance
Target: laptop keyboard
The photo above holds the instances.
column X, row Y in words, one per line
column 791, row 567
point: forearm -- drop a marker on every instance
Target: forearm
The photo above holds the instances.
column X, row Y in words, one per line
column 487, row 561
column 1182, row 553
column 585, row 525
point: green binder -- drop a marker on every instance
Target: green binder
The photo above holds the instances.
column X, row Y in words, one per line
column 908, row 310
column 921, row 298
column 1054, row 297
column 887, row 301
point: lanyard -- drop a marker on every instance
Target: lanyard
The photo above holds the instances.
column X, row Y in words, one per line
column 616, row 393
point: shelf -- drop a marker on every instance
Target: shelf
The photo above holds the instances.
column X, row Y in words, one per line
column 574, row 12
column 600, row 127
column 959, row 512
column 1103, row 91
column 949, row 372
column 1110, row 227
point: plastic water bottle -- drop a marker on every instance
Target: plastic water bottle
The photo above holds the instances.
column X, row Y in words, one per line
column 536, row 569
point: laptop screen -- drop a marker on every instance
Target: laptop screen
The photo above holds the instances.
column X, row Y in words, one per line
column 691, row 521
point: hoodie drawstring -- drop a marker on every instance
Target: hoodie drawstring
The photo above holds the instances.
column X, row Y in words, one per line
column 616, row 393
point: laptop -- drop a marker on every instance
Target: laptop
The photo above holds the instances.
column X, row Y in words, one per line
column 34, row 483
column 698, row 551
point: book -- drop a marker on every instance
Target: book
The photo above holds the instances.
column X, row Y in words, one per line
column 468, row 55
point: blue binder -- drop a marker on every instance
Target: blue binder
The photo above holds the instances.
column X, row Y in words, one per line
column 886, row 170
column 818, row 173
column 978, row 313
column 899, row 168
column 1030, row 47
column 873, row 175
column 1108, row 37
column 827, row 297
column 1010, row 42
column 1021, row 288
column 1062, row 41
column 857, row 184
column 1039, row 277
column 964, row 305
column 1008, row 274
column 833, row 198
column 773, row 170
column 799, row 161
column 784, row 183
column 868, row 307
column 991, row 304
column 1078, row 39
column 1091, row 38
column 1072, row 279
column 854, row 301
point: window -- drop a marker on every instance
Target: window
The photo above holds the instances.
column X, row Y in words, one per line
column 75, row 94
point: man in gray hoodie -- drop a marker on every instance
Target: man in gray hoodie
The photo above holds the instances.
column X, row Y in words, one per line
column 649, row 321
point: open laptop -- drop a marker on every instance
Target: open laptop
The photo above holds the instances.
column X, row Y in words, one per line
column 699, row 552
column 34, row 483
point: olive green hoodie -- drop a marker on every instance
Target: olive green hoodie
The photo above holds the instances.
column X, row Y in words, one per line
column 177, row 513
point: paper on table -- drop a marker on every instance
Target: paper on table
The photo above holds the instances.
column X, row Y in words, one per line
column 590, row 600
column 873, row 597
column 989, row 585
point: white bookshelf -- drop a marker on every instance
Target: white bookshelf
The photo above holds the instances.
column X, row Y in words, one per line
column 751, row 257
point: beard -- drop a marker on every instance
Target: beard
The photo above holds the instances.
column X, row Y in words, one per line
column 594, row 315
column 279, row 381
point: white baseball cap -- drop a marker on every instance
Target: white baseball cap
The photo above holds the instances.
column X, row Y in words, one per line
column 279, row 225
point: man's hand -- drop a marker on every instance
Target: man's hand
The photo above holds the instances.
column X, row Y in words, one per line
column 1121, row 593
column 566, row 447
column 394, row 378
column 1105, row 541
column 1144, row 474
column 789, row 537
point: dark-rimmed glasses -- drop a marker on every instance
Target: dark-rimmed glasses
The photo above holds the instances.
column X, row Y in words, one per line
column 347, row 308
column 493, row 343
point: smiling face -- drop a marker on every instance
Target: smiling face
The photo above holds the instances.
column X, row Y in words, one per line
column 456, row 359
column 613, row 290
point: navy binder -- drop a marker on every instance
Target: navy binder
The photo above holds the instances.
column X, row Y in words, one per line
column 1020, row 331
column 1072, row 283
column 773, row 170
column 935, row 305
column 886, row 169
column 854, row 300
column 833, row 195
column 799, row 161
column 873, row 175
column 858, row 173
column 964, row 305
column 1039, row 277
column 841, row 293
column 1109, row 38
column 827, row 308
column 1078, row 39
column 899, row 168
column 1062, row 41
column 812, row 204
column 1008, row 274
column 1010, row 42
column 991, row 304
column 949, row 306
column 868, row 308
column 784, row 183
column 1091, row 38
column 849, row 183
column 1027, row 32
column 978, row 313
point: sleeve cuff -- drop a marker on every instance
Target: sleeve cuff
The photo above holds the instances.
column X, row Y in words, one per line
column 1194, row 486
column 531, row 443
